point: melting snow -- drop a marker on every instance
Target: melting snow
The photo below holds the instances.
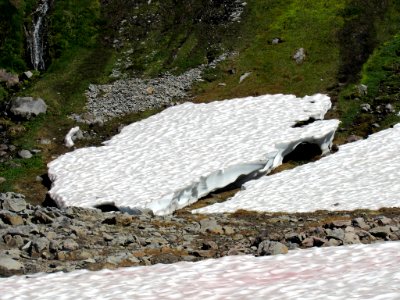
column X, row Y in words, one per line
column 348, row 272
column 363, row 174
column 172, row 159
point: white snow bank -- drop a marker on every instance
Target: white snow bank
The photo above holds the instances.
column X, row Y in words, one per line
column 348, row 272
column 172, row 159
column 362, row 174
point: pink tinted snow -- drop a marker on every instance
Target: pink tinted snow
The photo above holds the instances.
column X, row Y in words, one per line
column 348, row 272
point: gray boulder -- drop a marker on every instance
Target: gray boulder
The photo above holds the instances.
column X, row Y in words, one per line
column 13, row 201
column 9, row 266
column 26, row 107
column 271, row 248
column 25, row 154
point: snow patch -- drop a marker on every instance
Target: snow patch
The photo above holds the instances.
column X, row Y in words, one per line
column 347, row 272
column 172, row 159
column 68, row 140
column 362, row 174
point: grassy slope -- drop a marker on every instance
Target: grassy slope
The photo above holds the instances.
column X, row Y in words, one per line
column 166, row 36
column 312, row 25
column 77, row 60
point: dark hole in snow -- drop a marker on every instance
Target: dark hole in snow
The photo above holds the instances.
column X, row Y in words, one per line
column 303, row 152
column 107, row 207
column 48, row 202
column 237, row 184
column 303, row 123
column 46, row 182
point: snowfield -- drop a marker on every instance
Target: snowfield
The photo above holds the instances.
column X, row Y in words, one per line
column 348, row 272
column 363, row 174
column 172, row 159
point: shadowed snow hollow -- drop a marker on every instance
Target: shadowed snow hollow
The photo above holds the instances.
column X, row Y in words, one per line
column 362, row 174
column 172, row 159
column 348, row 272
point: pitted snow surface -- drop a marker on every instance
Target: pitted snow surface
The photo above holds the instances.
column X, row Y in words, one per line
column 173, row 158
column 362, row 174
column 348, row 272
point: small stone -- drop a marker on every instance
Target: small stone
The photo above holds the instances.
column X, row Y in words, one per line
column 28, row 74
column 365, row 236
column 351, row 238
column 332, row 243
column 210, row 226
column 13, row 242
column 361, row 90
column 2, row 180
column 150, row 90
column 300, row 55
column 70, row 245
column 41, row 244
column 271, row 248
column 11, row 218
column 83, row 255
column 380, row 231
column 228, row 230
column 382, row 220
column 42, row 217
column 45, row 141
column 61, row 255
column 336, row 233
column 365, row 107
column 25, row 154
column 389, row 108
column 313, row 241
column 276, row 41
column 359, row 222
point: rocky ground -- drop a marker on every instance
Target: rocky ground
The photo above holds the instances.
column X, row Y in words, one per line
column 133, row 95
column 47, row 239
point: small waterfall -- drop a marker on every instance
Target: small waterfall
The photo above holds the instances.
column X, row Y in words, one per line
column 36, row 36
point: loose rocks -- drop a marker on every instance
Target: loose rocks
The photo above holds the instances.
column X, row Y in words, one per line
column 44, row 239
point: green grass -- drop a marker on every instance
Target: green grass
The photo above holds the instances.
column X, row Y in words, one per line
column 312, row 25
column 381, row 74
column 169, row 35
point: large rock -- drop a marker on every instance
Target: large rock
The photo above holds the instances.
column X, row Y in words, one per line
column 9, row 266
column 13, row 201
column 27, row 107
column 271, row 248
column 25, row 154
